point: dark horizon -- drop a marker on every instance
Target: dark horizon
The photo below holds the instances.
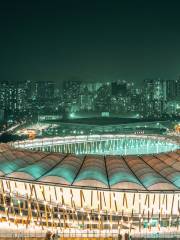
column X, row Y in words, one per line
column 92, row 40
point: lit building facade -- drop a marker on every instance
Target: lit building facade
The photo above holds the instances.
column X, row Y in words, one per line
column 100, row 194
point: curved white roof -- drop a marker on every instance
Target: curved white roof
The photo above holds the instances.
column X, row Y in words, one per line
column 144, row 172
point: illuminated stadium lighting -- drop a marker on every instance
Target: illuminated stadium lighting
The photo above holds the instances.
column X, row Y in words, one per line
column 101, row 191
column 102, row 144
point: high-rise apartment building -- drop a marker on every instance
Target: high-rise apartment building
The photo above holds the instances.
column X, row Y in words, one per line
column 12, row 96
column 44, row 90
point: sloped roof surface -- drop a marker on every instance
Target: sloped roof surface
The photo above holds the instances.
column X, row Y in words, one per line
column 145, row 172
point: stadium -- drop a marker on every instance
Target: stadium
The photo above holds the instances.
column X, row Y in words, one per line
column 96, row 185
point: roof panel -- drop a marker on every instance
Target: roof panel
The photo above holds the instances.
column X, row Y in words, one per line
column 145, row 173
column 41, row 167
column 93, row 169
column 159, row 166
column 66, row 170
column 119, row 172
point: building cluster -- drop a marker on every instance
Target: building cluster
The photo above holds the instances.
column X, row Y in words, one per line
column 154, row 99
column 23, row 100
column 161, row 97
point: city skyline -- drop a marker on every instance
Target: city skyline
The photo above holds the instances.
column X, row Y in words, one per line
column 96, row 40
column 155, row 99
column 59, row 85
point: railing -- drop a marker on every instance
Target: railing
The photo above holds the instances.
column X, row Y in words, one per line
column 62, row 235
column 76, row 235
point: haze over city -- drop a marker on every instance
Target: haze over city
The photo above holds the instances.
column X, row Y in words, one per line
column 91, row 40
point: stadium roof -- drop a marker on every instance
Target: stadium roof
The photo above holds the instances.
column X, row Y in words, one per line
column 145, row 172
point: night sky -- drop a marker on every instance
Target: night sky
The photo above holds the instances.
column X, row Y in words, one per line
column 90, row 40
